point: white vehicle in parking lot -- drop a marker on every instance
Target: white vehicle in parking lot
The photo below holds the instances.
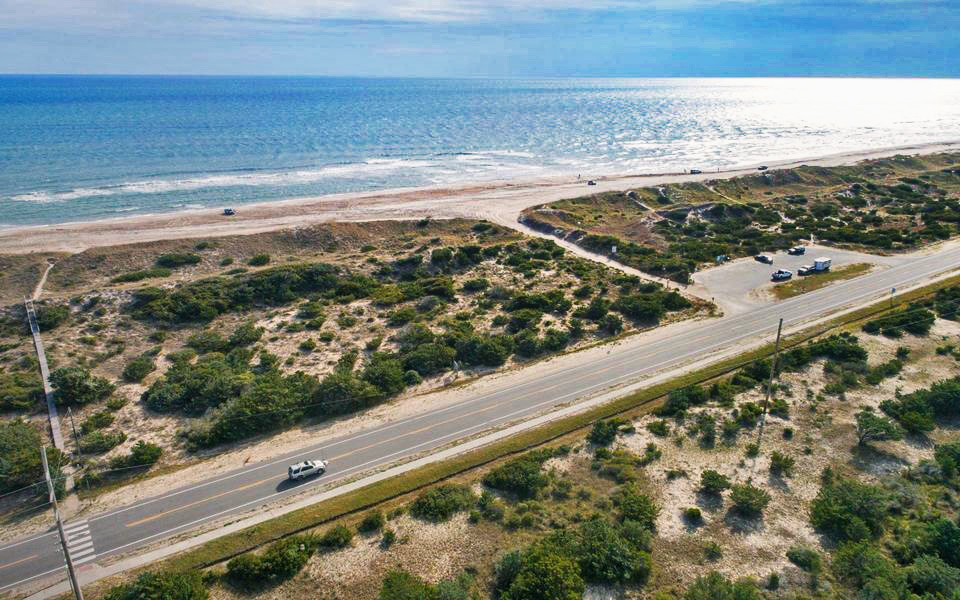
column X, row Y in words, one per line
column 306, row 469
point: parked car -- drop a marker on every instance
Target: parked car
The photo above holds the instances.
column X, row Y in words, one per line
column 695, row 171
column 762, row 168
column 797, row 251
column 764, row 258
column 805, row 270
column 591, row 182
column 306, row 468
column 781, row 275
column 229, row 212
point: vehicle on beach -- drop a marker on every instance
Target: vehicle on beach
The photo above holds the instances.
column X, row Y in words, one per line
column 229, row 212
column 306, row 469
column 591, row 182
column 764, row 258
column 695, row 171
column 762, row 168
column 781, row 275
column 797, row 251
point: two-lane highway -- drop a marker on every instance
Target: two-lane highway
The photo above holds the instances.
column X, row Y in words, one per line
column 510, row 398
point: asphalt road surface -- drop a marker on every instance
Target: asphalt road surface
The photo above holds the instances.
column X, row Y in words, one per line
column 97, row 537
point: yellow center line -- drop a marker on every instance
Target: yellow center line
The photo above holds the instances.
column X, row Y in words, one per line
column 415, row 431
column 17, row 562
column 179, row 508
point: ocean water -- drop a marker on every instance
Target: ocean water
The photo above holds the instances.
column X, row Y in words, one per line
column 87, row 148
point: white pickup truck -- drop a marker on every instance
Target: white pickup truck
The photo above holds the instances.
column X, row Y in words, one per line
column 306, row 469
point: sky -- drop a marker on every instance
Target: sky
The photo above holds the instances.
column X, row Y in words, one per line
column 477, row 38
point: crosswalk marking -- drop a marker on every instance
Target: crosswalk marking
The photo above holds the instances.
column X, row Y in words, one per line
column 80, row 542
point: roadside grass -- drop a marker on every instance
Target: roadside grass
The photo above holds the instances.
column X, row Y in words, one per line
column 815, row 282
column 635, row 404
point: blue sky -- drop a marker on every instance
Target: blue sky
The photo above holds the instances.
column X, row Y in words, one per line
column 465, row 38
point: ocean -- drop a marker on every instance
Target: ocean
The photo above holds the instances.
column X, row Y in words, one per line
column 82, row 148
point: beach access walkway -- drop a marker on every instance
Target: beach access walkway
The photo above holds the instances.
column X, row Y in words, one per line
column 45, row 374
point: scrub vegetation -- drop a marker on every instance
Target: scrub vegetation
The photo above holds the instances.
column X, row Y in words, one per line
column 640, row 506
column 884, row 205
column 320, row 323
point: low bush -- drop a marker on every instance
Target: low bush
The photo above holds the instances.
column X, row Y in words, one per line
column 335, row 538
column 847, row 510
column 442, row 502
column 99, row 442
column 372, row 521
column 915, row 320
column 173, row 260
column 76, row 385
column 522, row 476
column 712, row 482
column 749, row 500
column 715, row 586
column 154, row 273
column 805, row 558
column 20, row 391
column 138, row 368
column 281, row 561
column 143, row 454
column 161, row 586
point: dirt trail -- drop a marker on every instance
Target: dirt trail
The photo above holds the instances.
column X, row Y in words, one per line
column 43, row 279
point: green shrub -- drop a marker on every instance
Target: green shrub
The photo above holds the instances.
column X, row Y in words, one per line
column 174, row 260
column 914, row 319
column 442, row 502
column 692, row 514
column 51, row 316
column 781, row 465
column 19, row 455
column 545, row 574
column 161, row 586
column 372, row 521
column 636, row 506
column 99, row 442
column 20, row 391
column 75, row 385
column 847, row 510
column 715, row 586
column 712, row 551
column 805, row 558
column 522, row 476
column 98, row 420
column 281, row 561
column 154, row 273
column 138, row 368
column 606, row 556
column 712, row 482
column 605, row 432
column 335, row 538
column 873, row 427
column 749, row 500
column 659, row 428
column 259, row 260
column 143, row 454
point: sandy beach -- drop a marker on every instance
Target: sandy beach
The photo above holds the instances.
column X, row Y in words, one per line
column 500, row 201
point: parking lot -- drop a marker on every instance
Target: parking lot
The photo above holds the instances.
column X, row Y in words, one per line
column 743, row 284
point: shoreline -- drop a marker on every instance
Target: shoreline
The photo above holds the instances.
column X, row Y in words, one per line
column 498, row 201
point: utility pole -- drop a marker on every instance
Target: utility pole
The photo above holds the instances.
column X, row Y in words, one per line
column 63, row 537
column 76, row 438
column 773, row 369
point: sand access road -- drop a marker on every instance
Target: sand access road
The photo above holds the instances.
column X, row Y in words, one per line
column 515, row 397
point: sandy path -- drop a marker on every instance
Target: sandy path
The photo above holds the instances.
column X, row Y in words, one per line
column 500, row 202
